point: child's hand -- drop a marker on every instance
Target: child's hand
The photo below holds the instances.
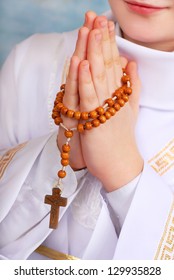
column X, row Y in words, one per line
column 109, row 151
column 71, row 98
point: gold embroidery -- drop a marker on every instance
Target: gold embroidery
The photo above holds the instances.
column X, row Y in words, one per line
column 7, row 157
column 164, row 160
column 52, row 254
column 161, row 163
column 166, row 247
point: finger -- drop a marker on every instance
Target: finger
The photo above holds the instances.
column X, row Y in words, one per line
column 81, row 45
column 115, row 54
column 88, row 97
column 102, row 24
column 89, row 19
column 97, row 67
column 131, row 69
column 71, row 98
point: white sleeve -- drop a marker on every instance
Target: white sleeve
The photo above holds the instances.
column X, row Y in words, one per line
column 119, row 202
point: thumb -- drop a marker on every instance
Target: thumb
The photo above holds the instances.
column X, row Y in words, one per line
column 131, row 69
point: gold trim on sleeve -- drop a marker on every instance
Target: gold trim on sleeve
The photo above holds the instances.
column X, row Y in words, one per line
column 165, row 249
column 7, row 158
column 52, row 254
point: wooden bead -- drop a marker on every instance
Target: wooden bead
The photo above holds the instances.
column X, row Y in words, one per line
column 88, row 125
column 96, row 123
column 64, row 155
column 58, row 120
column 125, row 98
column 61, row 174
column 102, row 119
column 68, row 133
column 116, row 106
column 121, row 102
column 66, row 148
column 118, row 93
column 125, row 79
column 64, row 110
column 100, row 110
column 77, row 115
column 62, row 87
column 107, row 115
column 110, row 102
column 84, row 116
column 65, row 162
column 55, row 115
column 70, row 113
column 59, row 106
column 80, row 127
column 112, row 111
column 93, row 114
column 128, row 90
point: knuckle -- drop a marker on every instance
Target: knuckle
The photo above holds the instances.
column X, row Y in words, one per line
column 108, row 63
column 101, row 77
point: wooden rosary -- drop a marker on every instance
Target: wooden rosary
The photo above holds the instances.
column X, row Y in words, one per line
column 89, row 120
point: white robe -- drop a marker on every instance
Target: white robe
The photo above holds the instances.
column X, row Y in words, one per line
column 29, row 161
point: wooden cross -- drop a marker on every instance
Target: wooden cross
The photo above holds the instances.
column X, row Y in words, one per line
column 55, row 200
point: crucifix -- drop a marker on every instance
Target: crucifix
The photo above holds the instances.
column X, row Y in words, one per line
column 55, row 200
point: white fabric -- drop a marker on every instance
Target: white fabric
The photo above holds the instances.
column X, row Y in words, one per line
column 28, row 84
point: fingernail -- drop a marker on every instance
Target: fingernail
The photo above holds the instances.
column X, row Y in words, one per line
column 111, row 26
column 98, row 37
column 103, row 23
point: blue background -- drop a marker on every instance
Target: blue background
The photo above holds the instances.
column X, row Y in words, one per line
column 21, row 18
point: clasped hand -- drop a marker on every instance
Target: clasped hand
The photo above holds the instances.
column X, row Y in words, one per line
column 109, row 151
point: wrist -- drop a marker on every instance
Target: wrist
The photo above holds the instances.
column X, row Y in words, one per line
column 119, row 176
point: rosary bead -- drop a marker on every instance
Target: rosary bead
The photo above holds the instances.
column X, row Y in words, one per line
column 88, row 125
column 59, row 106
column 62, row 87
column 112, row 111
column 96, row 123
column 66, row 148
column 125, row 79
column 68, row 133
column 77, row 115
column 108, row 115
column 58, row 120
column 128, row 90
column 55, row 115
column 61, row 174
column 116, row 106
column 70, row 113
column 121, row 102
column 65, row 162
column 100, row 110
column 64, row 110
column 110, row 102
column 102, row 119
column 125, row 97
column 93, row 114
column 119, row 92
column 80, row 127
column 84, row 116
column 64, row 155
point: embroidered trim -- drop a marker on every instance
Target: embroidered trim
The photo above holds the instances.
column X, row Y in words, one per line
column 164, row 160
column 166, row 247
column 7, row 158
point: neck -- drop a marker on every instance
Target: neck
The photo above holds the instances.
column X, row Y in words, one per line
column 161, row 46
